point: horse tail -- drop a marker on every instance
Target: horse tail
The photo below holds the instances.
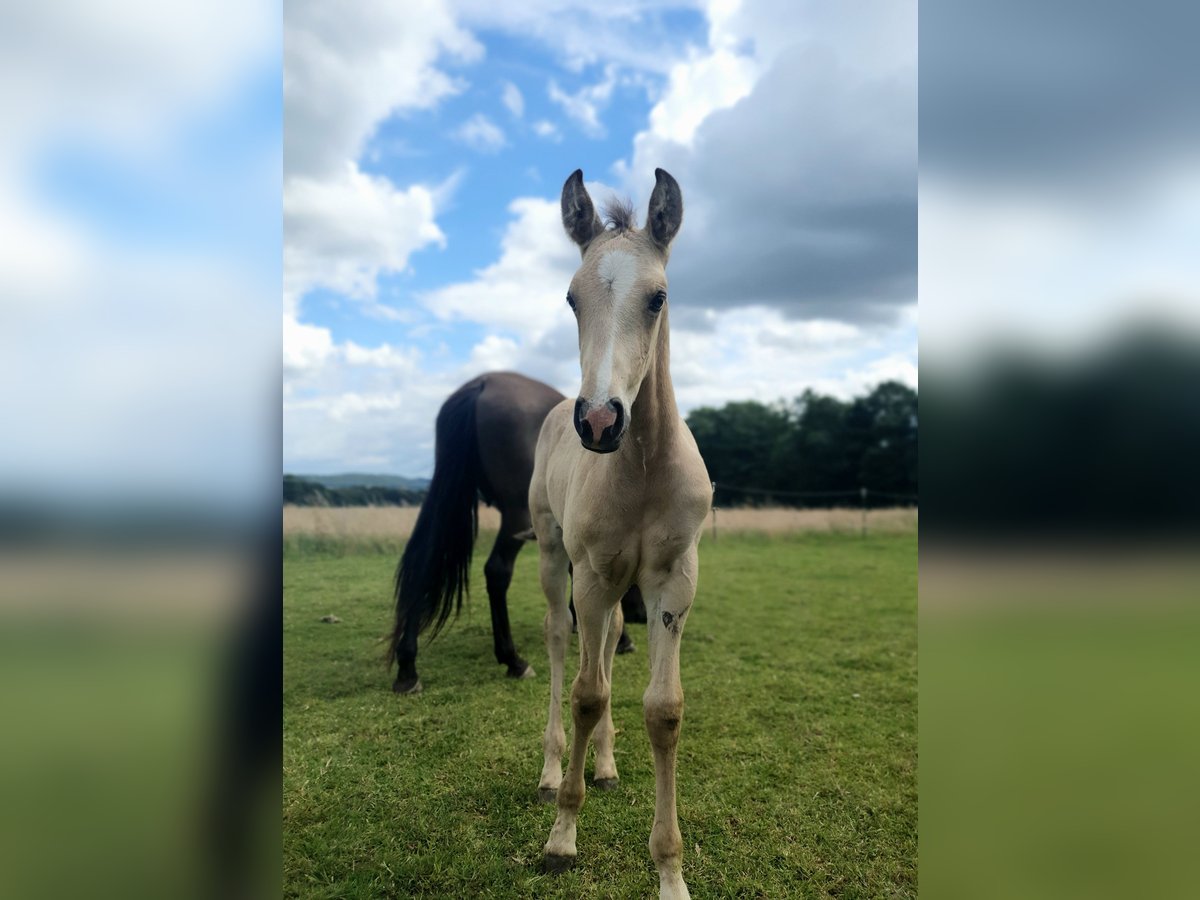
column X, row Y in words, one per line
column 433, row 575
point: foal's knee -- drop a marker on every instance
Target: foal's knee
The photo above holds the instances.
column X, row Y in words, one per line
column 589, row 700
column 663, row 717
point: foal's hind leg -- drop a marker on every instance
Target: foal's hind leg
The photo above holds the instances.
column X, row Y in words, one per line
column 606, row 777
column 498, row 570
column 553, row 569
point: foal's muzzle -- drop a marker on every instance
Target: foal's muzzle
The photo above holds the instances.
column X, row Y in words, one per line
column 600, row 428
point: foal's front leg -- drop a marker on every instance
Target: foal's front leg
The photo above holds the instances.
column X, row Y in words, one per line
column 553, row 565
column 595, row 604
column 668, row 601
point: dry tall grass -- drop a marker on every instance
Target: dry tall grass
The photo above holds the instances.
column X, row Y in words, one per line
column 357, row 522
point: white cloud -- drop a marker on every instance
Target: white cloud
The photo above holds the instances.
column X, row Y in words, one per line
column 513, row 99
column 523, row 290
column 698, row 87
column 124, row 72
column 583, row 33
column 585, row 105
column 384, row 356
column 342, row 232
column 305, row 347
column 495, row 353
column 349, row 66
column 481, row 133
column 757, row 353
column 1002, row 263
column 548, row 130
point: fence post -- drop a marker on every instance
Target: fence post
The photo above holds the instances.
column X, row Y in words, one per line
column 863, row 494
column 714, row 510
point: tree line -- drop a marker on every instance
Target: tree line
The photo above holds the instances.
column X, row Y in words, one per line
column 302, row 492
column 764, row 455
column 758, row 454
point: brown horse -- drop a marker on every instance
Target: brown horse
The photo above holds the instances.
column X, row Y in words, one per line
column 618, row 497
column 486, row 434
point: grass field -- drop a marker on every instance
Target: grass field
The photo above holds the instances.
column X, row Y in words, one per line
column 797, row 762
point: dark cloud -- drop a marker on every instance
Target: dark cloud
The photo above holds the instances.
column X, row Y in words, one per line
column 803, row 196
column 1060, row 93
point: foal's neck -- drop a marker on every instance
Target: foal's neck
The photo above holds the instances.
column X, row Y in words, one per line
column 655, row 414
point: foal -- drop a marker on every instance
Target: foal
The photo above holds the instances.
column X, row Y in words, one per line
column 620, row 493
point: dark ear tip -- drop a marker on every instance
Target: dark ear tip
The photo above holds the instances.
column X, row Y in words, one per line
column 663, row 175
column 577, row 175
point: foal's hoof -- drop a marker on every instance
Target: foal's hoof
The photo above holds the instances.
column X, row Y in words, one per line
column 408, row 686
column 625, row 645
column 527, row 672
column 547, row 795
column 606, row 784
column 555, row 864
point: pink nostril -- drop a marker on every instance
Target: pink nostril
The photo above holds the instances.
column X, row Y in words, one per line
column 600, row 418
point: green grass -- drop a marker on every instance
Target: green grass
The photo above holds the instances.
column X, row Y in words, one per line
column 1060, row 745
column 797, row 762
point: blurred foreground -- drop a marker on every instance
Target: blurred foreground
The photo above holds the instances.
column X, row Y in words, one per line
column 1060, row 361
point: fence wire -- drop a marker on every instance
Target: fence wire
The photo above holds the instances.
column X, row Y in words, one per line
column 861, row 493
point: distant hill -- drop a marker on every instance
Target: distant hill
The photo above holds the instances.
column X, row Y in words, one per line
column 359, row 479
column 302, row 491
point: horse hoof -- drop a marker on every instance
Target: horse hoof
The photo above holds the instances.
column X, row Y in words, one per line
column 555, row 864
column 526, row 672
column 547, row 795
column 626, row 646
column 408, row 686
column 606, row 784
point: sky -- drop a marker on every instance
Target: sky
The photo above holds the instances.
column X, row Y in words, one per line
column 1060, row 174
column 425, row 147
column 140, row 251
column 419, row 155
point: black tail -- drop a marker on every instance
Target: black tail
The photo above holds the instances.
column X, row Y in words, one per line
column 434, row 570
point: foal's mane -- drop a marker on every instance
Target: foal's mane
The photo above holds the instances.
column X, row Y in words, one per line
column 619, row 215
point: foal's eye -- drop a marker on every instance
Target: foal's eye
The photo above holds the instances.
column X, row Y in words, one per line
column 657, row 301
column 570, row 300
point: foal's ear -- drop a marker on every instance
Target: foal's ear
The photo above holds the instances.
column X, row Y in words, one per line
column 578, row 215
column 666, row 209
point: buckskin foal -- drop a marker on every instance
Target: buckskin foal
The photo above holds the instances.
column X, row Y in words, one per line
column 620, row 493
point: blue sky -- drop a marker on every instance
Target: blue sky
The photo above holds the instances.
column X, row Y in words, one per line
column 424, row 156
column 423, row 147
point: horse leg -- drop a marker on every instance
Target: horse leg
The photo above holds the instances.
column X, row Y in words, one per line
column 625, row 645
column 498, row 570
column 669, row 600
column 589, row 705
column 407, row 680
column 553, row 570
column 633, row 609
column 606, row 777
column 634, row 606
column 571, row 603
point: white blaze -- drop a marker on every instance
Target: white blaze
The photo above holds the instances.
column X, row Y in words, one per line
column 618, row 269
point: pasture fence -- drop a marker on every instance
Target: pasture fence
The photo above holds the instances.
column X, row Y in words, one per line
column 864, row 494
